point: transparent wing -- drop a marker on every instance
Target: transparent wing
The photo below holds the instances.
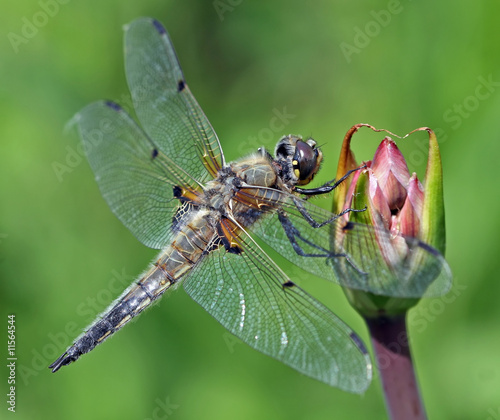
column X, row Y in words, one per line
column 167, row 110
column 392, row 266
column 251, row 297
column 354, row 255
column 135, row 178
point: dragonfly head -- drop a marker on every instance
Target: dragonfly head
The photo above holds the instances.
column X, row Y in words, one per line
column 302, row 158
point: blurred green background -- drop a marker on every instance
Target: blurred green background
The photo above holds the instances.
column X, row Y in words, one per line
column 64, row 256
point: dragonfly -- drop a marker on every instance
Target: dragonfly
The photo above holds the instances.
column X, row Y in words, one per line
column 168, row 182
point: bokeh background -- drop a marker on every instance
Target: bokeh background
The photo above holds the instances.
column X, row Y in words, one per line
column 326, row 66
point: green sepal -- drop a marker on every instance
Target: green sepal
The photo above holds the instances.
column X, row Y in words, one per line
column 432, row 226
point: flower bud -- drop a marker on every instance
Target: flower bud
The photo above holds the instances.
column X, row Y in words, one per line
column 393, row 248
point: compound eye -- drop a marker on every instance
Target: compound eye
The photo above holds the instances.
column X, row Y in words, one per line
column 306, row 161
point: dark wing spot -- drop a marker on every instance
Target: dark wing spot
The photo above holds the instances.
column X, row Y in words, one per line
column 178, row 194
column 414, row 242
column 348, row 226
column 358, row 342
column 154, row 153
column 159, row 27
column 234, row 250
column 113, row 105
column 177, row 191
column 227, row 244
column 289, row 283
column 181, row 85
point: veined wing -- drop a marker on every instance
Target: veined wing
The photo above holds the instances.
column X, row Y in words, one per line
column 353, row 254
column 251, row 297
column 135, row 178
column 167, row 110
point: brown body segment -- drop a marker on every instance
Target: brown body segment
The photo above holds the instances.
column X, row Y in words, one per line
column 205, row 220
column 176, row 260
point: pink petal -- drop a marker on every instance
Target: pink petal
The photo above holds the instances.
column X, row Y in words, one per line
column 409, row 217
column 380, row 211
column 391, row 171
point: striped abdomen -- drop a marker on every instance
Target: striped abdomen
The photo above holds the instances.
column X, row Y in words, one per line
column 176, row 260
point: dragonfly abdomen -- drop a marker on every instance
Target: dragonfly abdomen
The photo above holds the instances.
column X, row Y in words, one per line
column 174, row 262
column 132, row 302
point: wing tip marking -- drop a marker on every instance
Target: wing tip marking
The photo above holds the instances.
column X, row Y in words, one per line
column 358, row 342
column 113, row 105
column 159, row 27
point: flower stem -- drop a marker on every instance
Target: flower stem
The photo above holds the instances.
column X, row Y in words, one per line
column 392, row 352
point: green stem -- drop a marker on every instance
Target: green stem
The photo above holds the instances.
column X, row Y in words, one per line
column 392, row 352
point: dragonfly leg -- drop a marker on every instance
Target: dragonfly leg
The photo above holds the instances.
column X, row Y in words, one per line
column 294, row 235
column 326, row 188
column 305, row 214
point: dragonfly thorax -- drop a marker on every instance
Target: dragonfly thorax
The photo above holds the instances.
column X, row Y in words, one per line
column 255, row 170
